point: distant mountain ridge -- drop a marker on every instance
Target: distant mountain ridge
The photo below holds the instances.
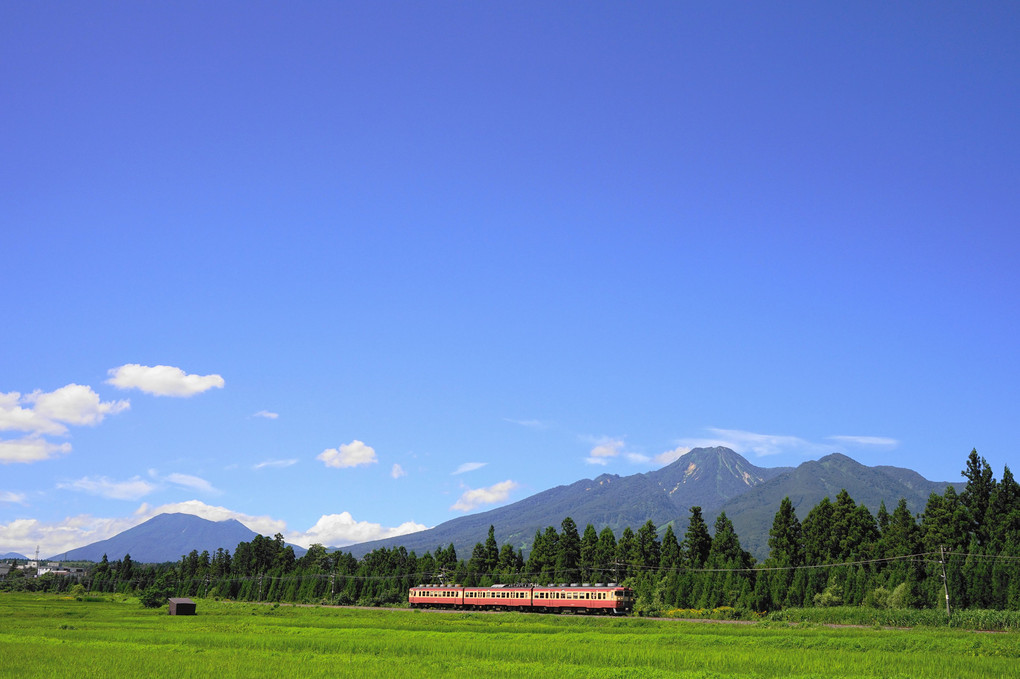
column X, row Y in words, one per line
column 13, row 555
column 716, row 479
column 167, row 537
column 808, row 483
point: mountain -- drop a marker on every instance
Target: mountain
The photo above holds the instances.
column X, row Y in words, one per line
column 716, row 479
column 13, row 555
column 707, row 477
column 166, row 537
column 752, row 513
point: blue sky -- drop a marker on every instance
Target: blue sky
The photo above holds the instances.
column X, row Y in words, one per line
column 345, row 270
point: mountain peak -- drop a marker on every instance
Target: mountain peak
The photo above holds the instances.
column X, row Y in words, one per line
column 167, row 537
column 708, row 477
column 839, row 458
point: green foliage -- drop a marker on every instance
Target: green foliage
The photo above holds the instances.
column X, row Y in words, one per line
column 156, row 594
column 839, row 556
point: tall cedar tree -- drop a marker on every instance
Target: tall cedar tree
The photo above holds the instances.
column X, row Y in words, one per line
column 697, row 541
column 589, row 552
column 568, row 556
column 605, row 555
column 669, row 552
column 624, row 552
column 491, row 551
column 977, row 495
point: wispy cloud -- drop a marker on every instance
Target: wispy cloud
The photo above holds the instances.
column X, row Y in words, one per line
column 468, row 467
column 866, row 441
column 397, row 471
column 192, row 482
column 12, row 498
column 353, row 454
column 275, row 464
column 131, row 489
column 265, row 414
column 530, row 424
column 162, row 380
column 474, row 498
column 751, row 443
column 762, row 445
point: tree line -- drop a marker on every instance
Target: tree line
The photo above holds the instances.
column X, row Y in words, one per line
column 966, row 544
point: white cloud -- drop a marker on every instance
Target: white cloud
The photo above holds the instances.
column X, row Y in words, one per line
column 468, row 467
column 132, row 489
column 11, row 497
column 73, row 404
column 671, row 455
column 193, row 482
column 22, row 535
column 30, row 449
column 351, row 454
column 338, row 530
column 14, row 417
column 477, row 497
column 604, row 450
column 266, row 415
column 262, row 525
column 162, row 380
column 637, row 458
column 397, row 471
column 47, row 414
column 275, row 463
column 334, row 530
column 866, row 441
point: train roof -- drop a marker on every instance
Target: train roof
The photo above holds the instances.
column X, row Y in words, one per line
column 564, row 585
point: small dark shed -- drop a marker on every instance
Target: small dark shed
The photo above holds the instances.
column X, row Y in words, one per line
column 182, row 607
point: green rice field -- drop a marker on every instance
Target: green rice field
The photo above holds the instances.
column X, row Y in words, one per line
column 47, row 636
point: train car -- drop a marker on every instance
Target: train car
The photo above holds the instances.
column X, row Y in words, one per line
column 611, row 599
column 436, row 596
column 498, row 597
column 604, row 599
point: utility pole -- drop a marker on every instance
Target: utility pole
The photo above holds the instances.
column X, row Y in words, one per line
column 945, row 580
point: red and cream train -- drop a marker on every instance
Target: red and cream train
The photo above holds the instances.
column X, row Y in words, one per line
column 605, row 599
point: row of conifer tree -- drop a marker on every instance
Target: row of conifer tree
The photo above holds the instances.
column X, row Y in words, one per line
column 964, row 545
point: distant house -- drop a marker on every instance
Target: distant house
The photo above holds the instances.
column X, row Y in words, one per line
column 4, row 570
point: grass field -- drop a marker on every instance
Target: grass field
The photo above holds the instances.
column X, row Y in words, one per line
column 46, row 636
